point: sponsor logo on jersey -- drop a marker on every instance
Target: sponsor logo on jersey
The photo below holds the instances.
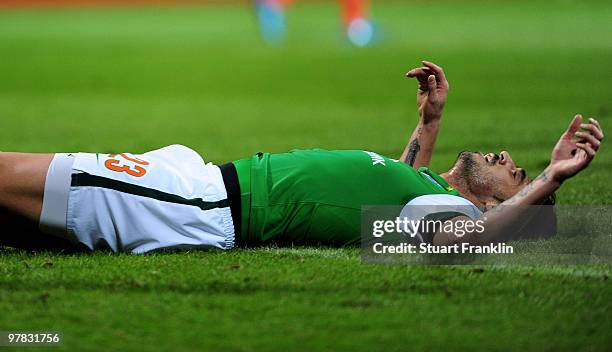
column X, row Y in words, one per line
column 376, row 159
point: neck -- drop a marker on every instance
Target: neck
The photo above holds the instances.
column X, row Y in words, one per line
column 458, row 183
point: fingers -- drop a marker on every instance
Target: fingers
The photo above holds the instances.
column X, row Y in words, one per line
column 573, row 127
column 582, row 158
column 421, row 75
column 595, row 122
column 587, row 148
column 418, row 72
column 431, row 86
column 591, row 136
column 581, row 154
column 437, row 70
column 587, row 137
column 593, row 129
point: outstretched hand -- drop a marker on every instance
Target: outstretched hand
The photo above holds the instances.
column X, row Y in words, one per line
column 576, row 148
column 432, row 91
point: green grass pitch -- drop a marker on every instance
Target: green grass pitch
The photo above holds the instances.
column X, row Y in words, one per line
column 134, row 79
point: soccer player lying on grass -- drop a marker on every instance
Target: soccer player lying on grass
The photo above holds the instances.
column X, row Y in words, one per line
column 171, row 199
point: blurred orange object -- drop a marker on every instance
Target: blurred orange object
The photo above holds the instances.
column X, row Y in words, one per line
column 353, row 9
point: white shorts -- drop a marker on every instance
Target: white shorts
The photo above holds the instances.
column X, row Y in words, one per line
column 165, row 199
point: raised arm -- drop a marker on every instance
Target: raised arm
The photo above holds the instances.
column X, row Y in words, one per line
column 573, row 153
column 431, row 97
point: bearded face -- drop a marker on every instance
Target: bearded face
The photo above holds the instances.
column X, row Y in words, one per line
column 490, row 175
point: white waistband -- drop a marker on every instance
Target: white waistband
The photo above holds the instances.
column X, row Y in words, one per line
column 55, row 199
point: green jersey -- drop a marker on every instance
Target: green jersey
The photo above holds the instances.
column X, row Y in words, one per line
column 315, row 196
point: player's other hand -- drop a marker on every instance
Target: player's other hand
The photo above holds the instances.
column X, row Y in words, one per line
column 432, row 91
column 576, row 148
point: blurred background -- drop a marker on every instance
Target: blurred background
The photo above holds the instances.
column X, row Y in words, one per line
column 230, row 78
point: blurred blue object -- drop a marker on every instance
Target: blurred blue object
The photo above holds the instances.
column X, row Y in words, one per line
column 271, row 17
column 360, row 32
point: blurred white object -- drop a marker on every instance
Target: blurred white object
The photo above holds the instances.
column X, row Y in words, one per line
column 360, row 32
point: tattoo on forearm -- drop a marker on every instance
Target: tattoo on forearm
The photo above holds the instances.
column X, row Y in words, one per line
column 413, row 149
column 543, row 177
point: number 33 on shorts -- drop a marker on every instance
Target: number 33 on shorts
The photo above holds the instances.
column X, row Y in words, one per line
column 124, row 163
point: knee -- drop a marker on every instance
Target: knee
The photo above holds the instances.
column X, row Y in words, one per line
column 5, row 172
column 4, row 166
column 13, row 173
